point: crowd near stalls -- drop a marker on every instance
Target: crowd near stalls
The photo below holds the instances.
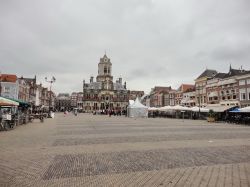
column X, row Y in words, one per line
column 219, row 113
column 15, row 112
column 239, row 115
column 8, row 110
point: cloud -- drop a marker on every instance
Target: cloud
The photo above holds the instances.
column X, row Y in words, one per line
column 150, row 42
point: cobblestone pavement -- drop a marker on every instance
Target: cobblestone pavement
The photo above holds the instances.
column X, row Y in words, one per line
column 95, row 150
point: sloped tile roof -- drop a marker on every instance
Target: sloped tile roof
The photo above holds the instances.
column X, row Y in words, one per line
column 8, row 78
column 208, row 73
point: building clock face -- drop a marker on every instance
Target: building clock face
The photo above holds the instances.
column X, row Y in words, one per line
column 105, row 59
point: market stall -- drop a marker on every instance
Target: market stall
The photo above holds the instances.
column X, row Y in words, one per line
column 137, row 110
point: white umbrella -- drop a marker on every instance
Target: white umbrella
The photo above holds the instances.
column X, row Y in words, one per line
column 165, row 108
column 196, row 109
column 246, row 109
column 178, row 107
column 152, row 108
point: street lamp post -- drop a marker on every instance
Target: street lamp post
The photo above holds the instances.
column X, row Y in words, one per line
column 199, row 105
column 199, row 90
column 0, row 84
column 53, row 79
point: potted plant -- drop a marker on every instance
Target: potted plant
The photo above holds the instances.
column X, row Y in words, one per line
column 211, row 116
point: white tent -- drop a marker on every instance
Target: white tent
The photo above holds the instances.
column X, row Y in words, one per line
column 131, row 102
column 137, row 110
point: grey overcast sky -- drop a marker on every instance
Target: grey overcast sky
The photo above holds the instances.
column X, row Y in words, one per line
column 150, row 42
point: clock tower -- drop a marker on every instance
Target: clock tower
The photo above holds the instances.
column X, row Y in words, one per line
column 104, row 70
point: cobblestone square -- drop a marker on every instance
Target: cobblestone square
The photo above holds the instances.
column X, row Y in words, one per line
column 90, row 150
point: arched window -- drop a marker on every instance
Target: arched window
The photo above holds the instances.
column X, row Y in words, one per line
column 105, row 70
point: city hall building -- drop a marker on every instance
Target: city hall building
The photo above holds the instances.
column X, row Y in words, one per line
column 104, row 93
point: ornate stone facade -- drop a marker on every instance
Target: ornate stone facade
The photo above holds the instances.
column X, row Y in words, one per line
column 104, row 94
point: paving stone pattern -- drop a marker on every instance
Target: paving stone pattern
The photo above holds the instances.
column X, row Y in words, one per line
column 146, row 138
column 142, row 130
column 123, row 162
column 93, row 150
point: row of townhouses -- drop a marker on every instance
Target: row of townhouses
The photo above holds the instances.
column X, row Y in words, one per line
column 211, row 88
column 26, row 90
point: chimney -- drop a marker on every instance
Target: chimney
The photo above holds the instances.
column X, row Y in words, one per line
column 91, row 79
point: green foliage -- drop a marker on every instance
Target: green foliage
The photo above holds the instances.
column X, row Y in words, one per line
column 211, row 113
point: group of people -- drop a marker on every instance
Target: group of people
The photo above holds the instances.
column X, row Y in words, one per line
column 74, row 111
column 110, row 112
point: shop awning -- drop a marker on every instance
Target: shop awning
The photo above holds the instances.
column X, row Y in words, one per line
column 236, row 110
column 7, row 102
column 21, row 103
column 246, row 109
column 219, row 108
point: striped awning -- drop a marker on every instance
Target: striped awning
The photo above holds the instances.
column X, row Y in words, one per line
column 7, row 102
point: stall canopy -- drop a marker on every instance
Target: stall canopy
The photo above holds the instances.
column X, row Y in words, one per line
column 246, row 109
column 241, row 110
column 153, row 109
column 180, row 108
column 197, row 109
column 137, row 110
column 7, row 102
column 219, row 108
column 21, row 103
column 165, row 108
column 236, row 110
